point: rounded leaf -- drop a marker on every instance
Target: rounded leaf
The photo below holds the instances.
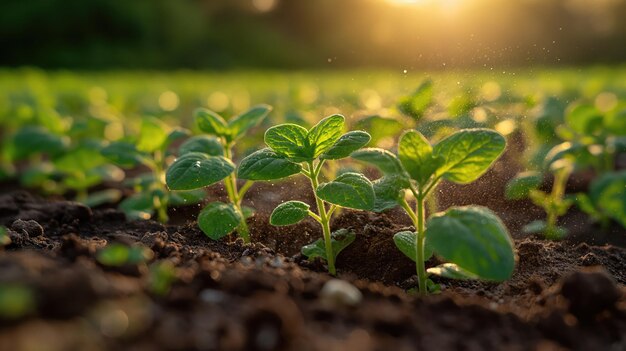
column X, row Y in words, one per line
column 346, row 144
column 195, row 170
column 289, row 140
column 384, row 160
column 288, row 213
column 520, row 186
column 153, row 134
column 211, row 123
column 123, row 154
column 218, row 219
column 467, row 154
column 251, row 118
column 31, row 140
column 475, row 239
column 405, row 242
column 265, row 164
column 351, row 190
column 202, row 143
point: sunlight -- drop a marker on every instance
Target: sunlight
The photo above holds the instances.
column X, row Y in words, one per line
column 449, row 4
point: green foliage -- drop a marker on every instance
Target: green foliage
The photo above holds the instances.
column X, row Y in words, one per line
column 218, row 219
column 16, row 301
column 606, row 199
column 266, row 164
column 5, row 239
column 207, row 159
column 149, row 149
column 292, row 149
column 161, row 277
column 117, row 255
column 196, row 170
column 520, row 187
column 350, row 190
column 473, row 239
column 416, row 104
column 339, row 239
column 466, row 155
column 288, row 213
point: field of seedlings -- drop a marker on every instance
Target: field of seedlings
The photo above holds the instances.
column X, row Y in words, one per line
column 313, row 210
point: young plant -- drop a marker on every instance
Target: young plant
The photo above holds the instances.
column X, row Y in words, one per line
column 606, row 200
column 150, row 150
column 554, row 203
column 294, row 149
column 472, row 239
column 205, row 160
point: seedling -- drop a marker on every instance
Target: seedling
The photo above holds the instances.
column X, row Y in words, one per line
column 117, row 255
column 473, row 239
column 294, row 149
column 149, row 150
column 161, row 277
column 554, row 203
column 205, row 160
column 606, row 199
column 5, row 239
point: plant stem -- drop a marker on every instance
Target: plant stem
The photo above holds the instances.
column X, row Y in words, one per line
column 558, row 191
column 160, row 203
column 418, row 223
column 420, row 239
column 324, row 219
column 235, row 196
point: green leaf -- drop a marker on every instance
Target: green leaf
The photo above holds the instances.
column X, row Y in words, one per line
column 467, row 154
column 384, row 160
column 452, row 271
column 475, row 239
column 608, row 193
column 152, row 135
column 288, row 213
column 325, row 134
column 415, row 154
column 79, row 160
column 340, row 239
column 289, row 140
column 107, row 196
column 265, row 164
column 202, row 143
column 123, row 154
column 187, row 197
column 416, row 104
column 251, row 118
column 218, row 219
column 33, row 140
column 405, row 242
column 172, row 136
column 351, row 190
column 196, row 170
column 5, row 239
column 138, row 206
column 380, row 128
column 346, row 144
column 388, row 191
column 616, row 120
column 211, row 123
column 519, row 187
column 584, row 119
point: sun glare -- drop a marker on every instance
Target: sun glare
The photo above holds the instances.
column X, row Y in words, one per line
column 441, row 3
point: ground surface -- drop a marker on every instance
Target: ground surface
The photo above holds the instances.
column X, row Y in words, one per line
column 228, row 296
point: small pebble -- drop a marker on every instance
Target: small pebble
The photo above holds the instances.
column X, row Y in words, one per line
column 340, row 292
column 212, row 296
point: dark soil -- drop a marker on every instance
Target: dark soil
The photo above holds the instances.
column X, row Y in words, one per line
column 230, row 296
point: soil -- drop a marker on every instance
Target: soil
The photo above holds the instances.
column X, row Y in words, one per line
column 568, row 295
column 266, row 296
